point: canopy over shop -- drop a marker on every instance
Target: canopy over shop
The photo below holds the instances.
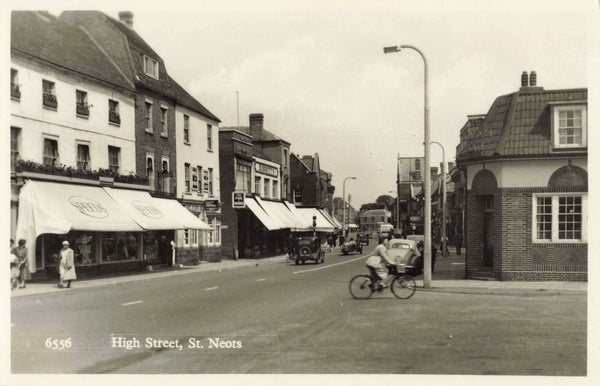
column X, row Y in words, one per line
column 108, row 224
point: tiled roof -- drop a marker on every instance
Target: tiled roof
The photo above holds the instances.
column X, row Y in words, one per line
column 40, row 35
column 308, row 160
column 266, row 135
column 517, row 124
column 185, row 99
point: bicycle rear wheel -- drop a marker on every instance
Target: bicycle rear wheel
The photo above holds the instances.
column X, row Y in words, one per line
column 361, row 287
column 403, row 287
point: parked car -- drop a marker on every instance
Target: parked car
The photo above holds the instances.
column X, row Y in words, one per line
column 308, row 248
column 406, row 253
column 351, row 246
column 363, row 238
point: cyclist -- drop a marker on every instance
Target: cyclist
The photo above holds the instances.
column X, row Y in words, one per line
column 378, row 263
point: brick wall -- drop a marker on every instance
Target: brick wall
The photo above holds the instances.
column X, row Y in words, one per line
column 228, row 219
column 473, row 233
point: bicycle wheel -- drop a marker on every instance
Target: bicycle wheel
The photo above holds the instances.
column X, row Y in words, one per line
column 403, row 287
column 360, row 287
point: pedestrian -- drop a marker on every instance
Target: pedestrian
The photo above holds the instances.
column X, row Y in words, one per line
column 458, row 242
column 66, row 265
column 22, row 262
column 342, row 239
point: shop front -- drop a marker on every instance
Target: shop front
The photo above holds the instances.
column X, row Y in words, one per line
column 110, row 230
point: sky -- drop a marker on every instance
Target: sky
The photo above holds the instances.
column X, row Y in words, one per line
column 317, row 72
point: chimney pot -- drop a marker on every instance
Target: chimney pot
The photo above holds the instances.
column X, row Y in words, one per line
column 126, row 17
column 532, row 79
column 524, row 79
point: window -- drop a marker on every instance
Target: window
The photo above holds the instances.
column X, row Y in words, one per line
column 114, row 153
column 187, row 177
column 15, row 89
column 50, row 152
column 298, row 194
column 15, row 137
column 165, row 180
column 83, row 156
column 243, row 175
column 217, row 231
column 284, row 190
column 210, row 181
column 148, row 116
column 560, row 218
column 285, row 157
column 163, row 122
column 119, row 246
column 193, row 237
column 81, row 103
column 267, row 187
column 570, row 126
column 113, row 112
column 186, row 237
column 150, row 67
column 150, row 171
column 209, row 136
column 186, row 129
column 417, row 164
column 198, row 179
column 257, row 185
column 49, row 94
column 275, row 189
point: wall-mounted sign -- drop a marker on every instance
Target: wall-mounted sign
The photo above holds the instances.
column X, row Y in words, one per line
column 212, row 205
column 266, row 169
column 238, row 200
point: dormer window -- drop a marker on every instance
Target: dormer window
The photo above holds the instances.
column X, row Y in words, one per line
column 150, row 67
column 570, row 126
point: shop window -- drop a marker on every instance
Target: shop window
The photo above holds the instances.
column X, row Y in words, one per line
column 150, row 246
column 275, row 190
column 560, row 218
column 119, row 246
column 267, row 187
column 257, row 185
column 194, row 237
column 114, row 154
column 50, row 152
column 186, row 237
column 163, row 122
column 83, row 156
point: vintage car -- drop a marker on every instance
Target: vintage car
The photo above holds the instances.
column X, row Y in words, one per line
column 351, row 246
column 308, row 248
column 406, row 253
column 363, row 238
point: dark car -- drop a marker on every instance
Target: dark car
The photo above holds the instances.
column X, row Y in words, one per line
column 308, row 248
column 351, row 246
column 363, row 239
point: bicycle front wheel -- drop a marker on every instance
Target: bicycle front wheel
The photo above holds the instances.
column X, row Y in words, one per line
column 361, row 287
column 403, row 287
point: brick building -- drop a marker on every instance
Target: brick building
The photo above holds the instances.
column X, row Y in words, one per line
column 310, row 185
column 525, row 164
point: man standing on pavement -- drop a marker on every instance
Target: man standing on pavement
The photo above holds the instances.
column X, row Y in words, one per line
column 458, row 241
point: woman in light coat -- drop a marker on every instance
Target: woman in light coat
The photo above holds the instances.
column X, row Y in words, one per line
column 66, row 265
column 23, row 264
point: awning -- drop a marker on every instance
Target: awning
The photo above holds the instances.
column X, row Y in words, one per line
column 49, row 207
column 154, row 213
column 331, row 219
column 278, row 211
column 260, row 213
column 323, row 225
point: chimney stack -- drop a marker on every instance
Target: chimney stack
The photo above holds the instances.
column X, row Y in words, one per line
column 532, row 79
column 524, row 79
column 256, row 125
column 126, row 17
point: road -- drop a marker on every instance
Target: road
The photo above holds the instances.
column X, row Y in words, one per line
column 283, row 318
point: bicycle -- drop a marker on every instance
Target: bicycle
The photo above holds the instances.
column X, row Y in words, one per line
column 402, row 286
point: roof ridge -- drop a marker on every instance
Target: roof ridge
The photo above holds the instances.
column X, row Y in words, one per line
column 126, row 44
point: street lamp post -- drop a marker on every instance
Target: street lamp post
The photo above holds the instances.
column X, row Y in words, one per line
column 344, row 204
column 444, row 246
column 427, row 181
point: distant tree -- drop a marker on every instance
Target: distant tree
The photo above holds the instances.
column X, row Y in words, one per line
column 385, row 201
column 369, row 206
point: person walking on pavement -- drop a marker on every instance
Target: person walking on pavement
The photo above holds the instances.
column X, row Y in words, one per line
column 22, row 263
column 458, row 242
column 66, row 265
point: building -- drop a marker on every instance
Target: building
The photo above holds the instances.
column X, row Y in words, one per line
column 409, row 184
column 371, row 219
column 310, row 185
column 172, row 130
column 78, row 183
column 527, row 186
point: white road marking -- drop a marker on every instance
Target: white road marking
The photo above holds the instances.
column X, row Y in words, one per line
column 261, row 279
column 130, row 303
column 211, row 288
column 332, row 265
column 458, row 263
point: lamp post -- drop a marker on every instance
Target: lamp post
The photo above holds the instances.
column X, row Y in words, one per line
column 443, row 198
column 344, row 204
column 427, row 181
column 397, row 209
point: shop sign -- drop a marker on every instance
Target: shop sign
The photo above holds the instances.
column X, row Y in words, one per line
column 88, row 206
column 212, row 205
column 238, row 200
column 265, row 169
column 193, row 208
column 146, row 209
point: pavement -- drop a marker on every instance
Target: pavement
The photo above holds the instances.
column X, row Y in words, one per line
column 455, row 285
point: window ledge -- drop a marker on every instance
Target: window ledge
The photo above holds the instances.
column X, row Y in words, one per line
column 82, row 116
column 149, row 131
column 188, row 193
column 50, row 108
column 187, row 143
column 164, row 136
column 114, row 124
column 15, row 99
column 210, row 150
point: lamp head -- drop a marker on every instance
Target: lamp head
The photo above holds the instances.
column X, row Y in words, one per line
column 392, row 49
